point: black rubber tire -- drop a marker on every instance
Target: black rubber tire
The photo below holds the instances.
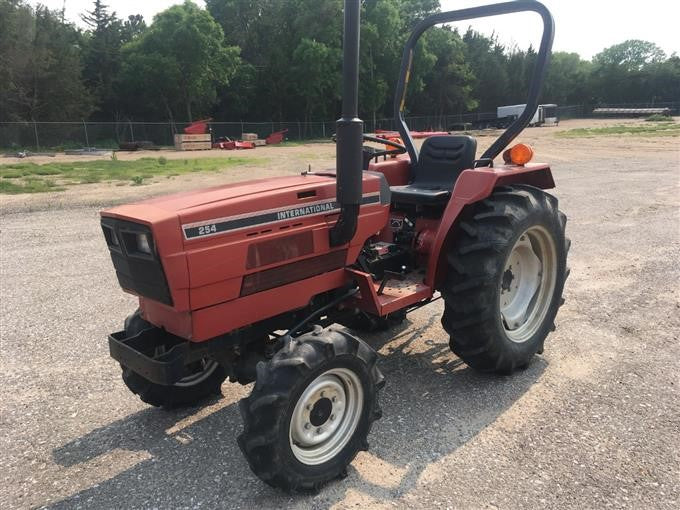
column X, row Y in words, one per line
column 168, row 396
column 476, row 261
column 280, row 383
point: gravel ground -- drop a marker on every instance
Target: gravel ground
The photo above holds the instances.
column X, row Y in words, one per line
column 592, row 423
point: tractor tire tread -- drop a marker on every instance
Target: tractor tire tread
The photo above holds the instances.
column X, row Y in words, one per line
column 174, row 396
column 264, row 411
column 475, row 266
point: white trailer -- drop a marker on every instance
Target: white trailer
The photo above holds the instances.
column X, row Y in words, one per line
column 544, row 114
column 549, row 113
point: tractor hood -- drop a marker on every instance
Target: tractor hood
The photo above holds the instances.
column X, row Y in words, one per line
column 192, row 250
column 238, row 207
column 234, row 192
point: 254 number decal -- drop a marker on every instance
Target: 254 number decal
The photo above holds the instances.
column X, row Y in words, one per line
column 207, row 229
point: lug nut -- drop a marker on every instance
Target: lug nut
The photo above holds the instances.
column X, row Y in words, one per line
column 334, row 399
column 319, row 430
column 322, row 394
column 309, row 407
column 307, row 425
column 332, row 417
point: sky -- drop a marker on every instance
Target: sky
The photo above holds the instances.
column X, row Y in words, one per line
column 582, row 26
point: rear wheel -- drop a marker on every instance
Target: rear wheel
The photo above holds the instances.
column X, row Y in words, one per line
column 311, row 410
column 506, row 273
column 203, row 378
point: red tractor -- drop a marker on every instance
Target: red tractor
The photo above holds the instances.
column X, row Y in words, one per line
column 248, row 280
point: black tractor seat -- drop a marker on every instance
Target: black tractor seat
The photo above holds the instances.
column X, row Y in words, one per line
column 442, row 159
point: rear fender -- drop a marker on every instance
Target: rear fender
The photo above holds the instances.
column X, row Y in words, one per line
column 472, row 186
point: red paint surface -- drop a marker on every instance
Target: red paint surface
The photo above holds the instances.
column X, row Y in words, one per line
column 473, row 186
column 276, row 137
column 205, row 274
column 198, row 127
column 390, row 301
column 397, row 170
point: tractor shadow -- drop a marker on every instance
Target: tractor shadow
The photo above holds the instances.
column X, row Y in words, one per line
column 432, row 403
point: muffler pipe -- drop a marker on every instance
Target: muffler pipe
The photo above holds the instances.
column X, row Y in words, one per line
column 349, row 132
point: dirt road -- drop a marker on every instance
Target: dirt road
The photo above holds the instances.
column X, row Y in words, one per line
column 592, row 423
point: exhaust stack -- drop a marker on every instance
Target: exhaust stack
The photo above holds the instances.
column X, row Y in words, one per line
column 349, row 132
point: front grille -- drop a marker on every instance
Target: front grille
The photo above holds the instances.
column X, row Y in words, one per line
column 137, row 272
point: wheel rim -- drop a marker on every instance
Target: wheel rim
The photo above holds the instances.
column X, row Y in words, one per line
column 326, row 416
column 528, row 283
column 205, row 369
column 198, row 371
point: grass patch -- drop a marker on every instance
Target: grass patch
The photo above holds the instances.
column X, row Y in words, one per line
column 661, row 129
column 659, row 118
column 31, row 177
column 28, row 186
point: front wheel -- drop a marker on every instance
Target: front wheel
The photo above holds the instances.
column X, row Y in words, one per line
column 202, row 378
column 311, row 410
column 506, row 273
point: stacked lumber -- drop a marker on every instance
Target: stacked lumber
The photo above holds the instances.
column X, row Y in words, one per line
column 191, row 142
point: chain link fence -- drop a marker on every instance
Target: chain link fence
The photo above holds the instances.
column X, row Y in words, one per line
column 108, row 135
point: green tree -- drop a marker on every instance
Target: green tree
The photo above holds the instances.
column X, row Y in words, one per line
column 448, row 84
column 568, row 80
column 621, row 72
column 316, row 76
column 489, row 65
column 178, row 63
column 662, row 80
column 413, row 11
column 40, row 66
column 630, row 55
column 101, row 56
column 103, row 40
column 132, row 27
column 269, row 33
column 381, row 45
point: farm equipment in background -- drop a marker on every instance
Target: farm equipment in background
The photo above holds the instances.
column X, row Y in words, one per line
column 224, row 142
column 247, row 280
column 250, row 141
column 276, row 137
column 544, row 115
column 197, row 127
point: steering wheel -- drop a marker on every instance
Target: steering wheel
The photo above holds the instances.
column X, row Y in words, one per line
column 375, row 153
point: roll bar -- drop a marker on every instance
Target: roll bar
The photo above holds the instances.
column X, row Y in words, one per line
column 483, row 11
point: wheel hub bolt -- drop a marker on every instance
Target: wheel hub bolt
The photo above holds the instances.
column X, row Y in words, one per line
column 307, row 425
column 319, row 430
column 309, row 407
column 332, row 417
column 322, row 394
column 334, row 399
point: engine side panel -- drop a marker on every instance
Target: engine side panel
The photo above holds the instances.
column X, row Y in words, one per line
column 243, row 258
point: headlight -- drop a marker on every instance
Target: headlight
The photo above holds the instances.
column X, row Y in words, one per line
column 110, row 236
column 143, row 244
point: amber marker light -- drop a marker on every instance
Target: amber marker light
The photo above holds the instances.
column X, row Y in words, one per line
column 520, row 154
